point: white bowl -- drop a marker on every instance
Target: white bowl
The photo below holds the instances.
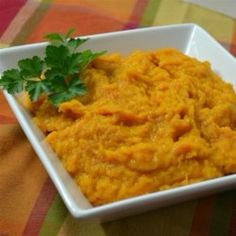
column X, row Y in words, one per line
column 188, row 38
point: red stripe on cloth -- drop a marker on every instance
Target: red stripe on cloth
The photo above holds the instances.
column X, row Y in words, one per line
column 40, row 209
column 202, row 216
column 8, row 10
column 136, row 14
column 226, row 45
column 7, row 119
column 233, row 49
column 233, row 43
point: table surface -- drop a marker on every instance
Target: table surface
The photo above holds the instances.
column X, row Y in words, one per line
column 29, row 202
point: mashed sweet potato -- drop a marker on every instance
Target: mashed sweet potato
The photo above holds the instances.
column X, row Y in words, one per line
column 149, row 121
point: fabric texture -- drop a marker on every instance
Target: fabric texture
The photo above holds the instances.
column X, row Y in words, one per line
column 29, row 202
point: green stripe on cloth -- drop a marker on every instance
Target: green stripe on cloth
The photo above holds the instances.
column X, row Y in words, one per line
column 72, row 226
column 175, row 220
column 150, row 13
column 55, row 217
column 31, row 23
column 222, row 211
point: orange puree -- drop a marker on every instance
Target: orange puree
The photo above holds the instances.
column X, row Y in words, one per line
column 149, row 121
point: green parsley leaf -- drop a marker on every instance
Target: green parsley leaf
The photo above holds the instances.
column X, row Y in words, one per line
column 73, row 89
column 59, row 39
column 54, row 38
column 51, row 74
column 77, row 87
column 31, row 68
column 57, row 75
column 56, row 84
column 36, row 88
column 61, row 61
column 75, row 43
column 86, row 57
column 72, row 64
column 12, row 81
column 69, row 33
column 56, row 57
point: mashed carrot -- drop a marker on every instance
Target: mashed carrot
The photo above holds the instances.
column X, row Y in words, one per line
column 149, row 121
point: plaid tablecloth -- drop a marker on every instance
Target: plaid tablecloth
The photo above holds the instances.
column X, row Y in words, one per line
column 29, row 203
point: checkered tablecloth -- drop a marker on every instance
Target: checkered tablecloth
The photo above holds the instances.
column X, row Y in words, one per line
column 29, row 202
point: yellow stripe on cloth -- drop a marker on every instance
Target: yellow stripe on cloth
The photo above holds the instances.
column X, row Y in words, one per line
column 4, row 45
column 171, row 12
column 219, row 26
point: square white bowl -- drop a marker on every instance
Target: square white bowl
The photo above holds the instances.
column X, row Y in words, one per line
column 188, row 38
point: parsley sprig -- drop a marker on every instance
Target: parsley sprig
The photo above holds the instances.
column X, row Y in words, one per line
column 57, row 75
